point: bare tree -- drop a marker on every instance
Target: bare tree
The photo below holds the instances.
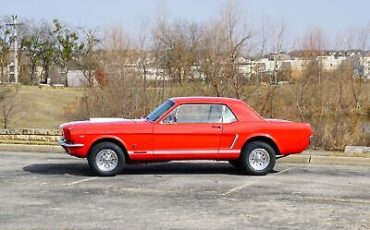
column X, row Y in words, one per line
column 359, row 65
column 143, row 63
column 176, row 45
column 89, row 59
column 277, row 47
column 308, row 92
column 222, row 46
column 8, row 104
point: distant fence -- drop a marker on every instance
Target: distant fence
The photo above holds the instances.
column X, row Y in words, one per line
column 30, row 136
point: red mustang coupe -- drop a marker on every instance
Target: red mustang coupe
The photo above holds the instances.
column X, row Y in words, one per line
column 187, row 128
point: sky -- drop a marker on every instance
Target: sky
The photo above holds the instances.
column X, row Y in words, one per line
column 331, row 16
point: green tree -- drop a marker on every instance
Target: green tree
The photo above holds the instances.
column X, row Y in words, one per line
column 67, row 47
column 31, row 45
column 5, row 42
column 38, row 44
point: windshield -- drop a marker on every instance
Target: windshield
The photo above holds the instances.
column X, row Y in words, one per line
column 160, row 110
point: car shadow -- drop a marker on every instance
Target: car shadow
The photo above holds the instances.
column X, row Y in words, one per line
column 76, row 169
column 82, row 169
column 182, row 168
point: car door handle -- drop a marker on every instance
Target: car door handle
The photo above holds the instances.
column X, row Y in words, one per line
column 216, row 126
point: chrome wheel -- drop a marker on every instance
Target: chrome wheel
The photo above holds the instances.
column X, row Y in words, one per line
column 106, row 160
column 259, row 159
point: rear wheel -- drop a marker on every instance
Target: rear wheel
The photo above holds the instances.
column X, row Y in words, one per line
column 106, row 159
column 258, row 158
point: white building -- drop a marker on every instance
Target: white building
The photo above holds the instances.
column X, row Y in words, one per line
column 331, row 62
column 76, row 78
column 366, row 64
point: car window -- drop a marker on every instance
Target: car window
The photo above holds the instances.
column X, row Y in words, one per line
column 196, row 113
column 228, row 117
column 156, row 113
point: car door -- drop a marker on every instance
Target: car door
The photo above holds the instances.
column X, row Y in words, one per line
column 190, row 131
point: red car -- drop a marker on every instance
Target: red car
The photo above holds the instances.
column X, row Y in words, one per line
column 187, row 128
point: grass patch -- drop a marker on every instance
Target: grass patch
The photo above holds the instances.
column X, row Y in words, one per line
column 42, row 107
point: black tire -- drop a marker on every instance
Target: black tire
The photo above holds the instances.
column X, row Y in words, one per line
column 236, row 163
column 268, row 159
column 100, row 149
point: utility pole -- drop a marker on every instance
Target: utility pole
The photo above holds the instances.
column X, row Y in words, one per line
column 14, row 25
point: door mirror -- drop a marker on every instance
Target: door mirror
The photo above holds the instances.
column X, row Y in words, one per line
column 171, row 119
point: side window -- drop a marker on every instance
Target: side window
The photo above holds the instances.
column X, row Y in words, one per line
column 196, row 113
column 228, row 117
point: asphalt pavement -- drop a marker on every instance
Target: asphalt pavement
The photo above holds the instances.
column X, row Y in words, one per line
column 57, row 191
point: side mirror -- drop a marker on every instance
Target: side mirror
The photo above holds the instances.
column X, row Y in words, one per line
column 171, row 119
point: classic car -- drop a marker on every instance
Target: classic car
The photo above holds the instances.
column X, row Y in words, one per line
column 187, row 128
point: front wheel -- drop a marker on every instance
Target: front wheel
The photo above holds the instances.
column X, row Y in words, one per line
column 258, row 158
column 106, row 159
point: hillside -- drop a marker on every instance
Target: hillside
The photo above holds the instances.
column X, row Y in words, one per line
column 42, row 107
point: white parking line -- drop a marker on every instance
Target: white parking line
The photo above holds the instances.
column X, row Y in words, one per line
column 285, row 170
column 238, row 188
column 235, row 189
column 80, row 181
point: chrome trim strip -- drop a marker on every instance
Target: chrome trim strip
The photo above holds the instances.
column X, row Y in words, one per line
column 223, row 113
column 234, row 141
column 206, row 151
column 63, row 143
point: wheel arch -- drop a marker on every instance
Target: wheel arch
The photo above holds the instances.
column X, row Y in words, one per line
column 264, row 138
column 114, row 140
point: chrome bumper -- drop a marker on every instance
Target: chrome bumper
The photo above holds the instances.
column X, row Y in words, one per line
column 62, row 142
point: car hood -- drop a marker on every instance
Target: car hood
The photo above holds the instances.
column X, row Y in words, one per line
column 113, row 119
column 101, row 121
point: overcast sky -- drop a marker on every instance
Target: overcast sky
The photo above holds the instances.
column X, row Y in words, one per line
column 331, row 16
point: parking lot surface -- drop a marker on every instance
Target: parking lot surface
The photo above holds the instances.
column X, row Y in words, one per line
column 56, row 191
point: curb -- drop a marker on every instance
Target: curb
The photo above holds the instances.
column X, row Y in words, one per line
column 331, row 160
column 31, row 148
column 316, row 157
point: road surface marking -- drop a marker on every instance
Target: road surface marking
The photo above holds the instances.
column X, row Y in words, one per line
column 80, row 181
column 238, row 188
column 285, row 170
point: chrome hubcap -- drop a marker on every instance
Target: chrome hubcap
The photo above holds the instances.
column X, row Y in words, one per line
column 259, row 159
column 106, row 160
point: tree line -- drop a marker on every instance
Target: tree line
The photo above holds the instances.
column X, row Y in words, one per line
column 48, row 45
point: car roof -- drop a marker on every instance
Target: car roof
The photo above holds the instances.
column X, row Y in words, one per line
column 238, row 107
column 204, row 99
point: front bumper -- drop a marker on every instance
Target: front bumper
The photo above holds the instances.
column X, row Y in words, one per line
column 63, row 142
